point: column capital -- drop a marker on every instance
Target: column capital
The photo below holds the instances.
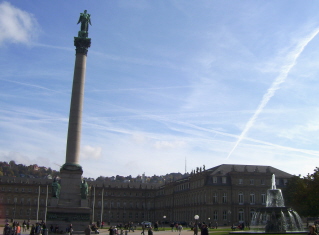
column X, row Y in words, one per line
column 82, row 44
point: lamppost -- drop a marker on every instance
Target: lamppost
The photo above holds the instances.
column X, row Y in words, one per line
column 164, row 219
column 229, row 219
column 209, row 222
column 196, row 217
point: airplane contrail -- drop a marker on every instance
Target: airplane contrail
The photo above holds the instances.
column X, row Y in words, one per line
column 291, row 61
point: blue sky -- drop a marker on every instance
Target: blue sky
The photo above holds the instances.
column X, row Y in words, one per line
column 209, row 82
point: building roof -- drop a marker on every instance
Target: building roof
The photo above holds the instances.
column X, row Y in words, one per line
column 227, row 168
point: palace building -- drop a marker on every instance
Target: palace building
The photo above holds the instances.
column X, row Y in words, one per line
column 225, row 194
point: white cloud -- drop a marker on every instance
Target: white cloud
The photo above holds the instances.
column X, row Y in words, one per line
column 16, row 26
column 89, row 152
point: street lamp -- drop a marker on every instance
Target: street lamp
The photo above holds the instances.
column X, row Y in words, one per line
column 164, row 219
column 208, row 222
column 196, row 217
column 230, row 219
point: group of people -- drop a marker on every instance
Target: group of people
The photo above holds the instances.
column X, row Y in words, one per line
column 202, row 227
column 17, row 229
column 176, row 227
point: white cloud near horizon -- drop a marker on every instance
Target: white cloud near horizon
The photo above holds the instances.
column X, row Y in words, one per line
column 90, row 152
column 16, row 26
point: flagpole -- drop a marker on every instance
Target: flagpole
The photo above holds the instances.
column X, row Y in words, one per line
column 102, row 206
column 93, row 204
column 46, row 206
column 38, row 204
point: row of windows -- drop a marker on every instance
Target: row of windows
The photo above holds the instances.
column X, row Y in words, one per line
column 122, row 205
column 21, row 201
column 251, row 181
column 23, row 190
column 251, row 198
column 105, row 194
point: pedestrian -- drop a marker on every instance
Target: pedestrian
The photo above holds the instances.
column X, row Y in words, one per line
column 18, row 229
column 180, row 228
column 195, row 229
column 312, row 230
column 204, row 230
column 143, row 229
column 7, row 229
column 37, row 230
column 24, row 226
column 150, row 232
column 111, row 230
column 32, row 231
column 70, row 229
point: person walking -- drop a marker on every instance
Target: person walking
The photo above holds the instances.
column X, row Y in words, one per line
column 143, row 229
column 180, row 228
column 204, row 230
column 18, row 229
column 195, row 229
column 7, row 229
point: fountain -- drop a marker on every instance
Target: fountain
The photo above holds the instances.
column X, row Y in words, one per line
column 275, row 217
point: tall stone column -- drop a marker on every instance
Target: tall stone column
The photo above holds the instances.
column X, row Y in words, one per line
column 69, row 204
column 82, row 43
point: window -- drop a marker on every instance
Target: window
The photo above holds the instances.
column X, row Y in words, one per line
column 262, row 182
column 252, row 181
column 240, row 181
column 252, row 198
column 215, row 180
column 224, row 215
column 224, row 197
column 214, row 197
column 224, row 180
column 241, row 215
column 215, row 215
column 263, row 198
column 240, row 198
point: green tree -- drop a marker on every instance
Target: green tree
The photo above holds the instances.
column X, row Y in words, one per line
column 302, row 194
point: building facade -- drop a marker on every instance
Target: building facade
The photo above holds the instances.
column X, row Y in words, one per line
column 225, row 194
